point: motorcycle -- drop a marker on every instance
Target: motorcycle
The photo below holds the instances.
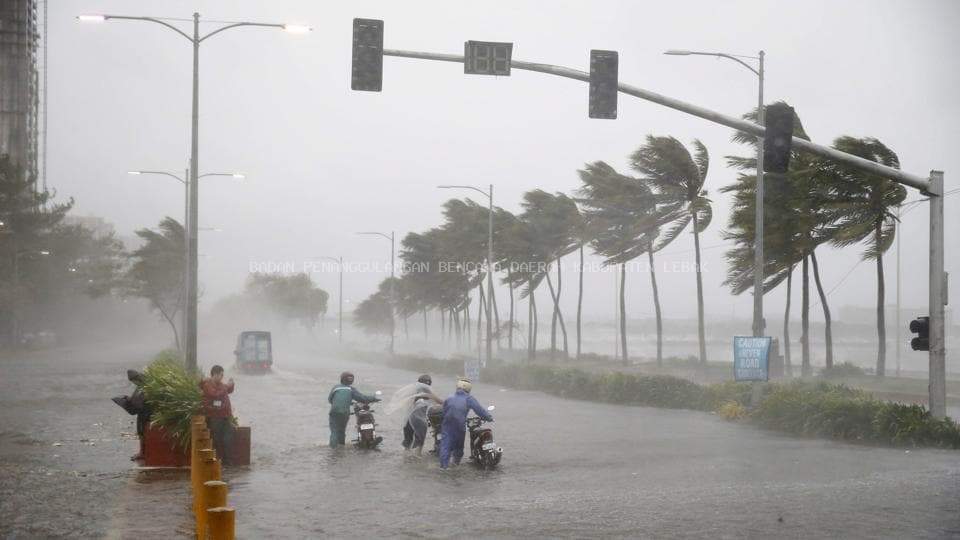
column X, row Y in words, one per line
column 483, row 450
column 367, row 437
column 435, row 420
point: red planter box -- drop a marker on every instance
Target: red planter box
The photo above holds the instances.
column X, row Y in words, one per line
column 240, row 453
column 161, row 450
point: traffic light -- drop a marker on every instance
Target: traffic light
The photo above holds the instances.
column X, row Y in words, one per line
column 921, row 327
column 487, row 58
column 778, row 120
column 367, row 67
column 603, row 84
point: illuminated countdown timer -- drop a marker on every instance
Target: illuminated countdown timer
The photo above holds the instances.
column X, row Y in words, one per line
column 487, row 58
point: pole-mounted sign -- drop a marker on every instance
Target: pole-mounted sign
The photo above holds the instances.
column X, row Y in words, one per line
column 751, row 358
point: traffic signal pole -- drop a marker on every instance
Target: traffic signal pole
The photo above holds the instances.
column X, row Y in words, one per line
column 938, row 372
column 931, row 186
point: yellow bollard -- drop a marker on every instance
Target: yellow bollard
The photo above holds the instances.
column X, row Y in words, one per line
column 222, row 521
column 209, row 470
column 214, row 496
column 196, row 469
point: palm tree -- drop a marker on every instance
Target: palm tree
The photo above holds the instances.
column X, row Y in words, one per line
column 621, row 214
column 795, row 224
column 862, row 209
column 552, row 219
column 677, row 179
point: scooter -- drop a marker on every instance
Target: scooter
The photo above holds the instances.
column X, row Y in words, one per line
column 367, row 437
column 483, row 450
column 435, row 420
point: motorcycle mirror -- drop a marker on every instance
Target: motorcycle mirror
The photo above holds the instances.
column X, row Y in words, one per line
column 492, row 407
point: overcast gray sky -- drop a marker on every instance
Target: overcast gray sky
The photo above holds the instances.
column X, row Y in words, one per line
column 323, row 161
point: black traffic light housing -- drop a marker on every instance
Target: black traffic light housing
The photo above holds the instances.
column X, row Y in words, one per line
column 778, row 121
column 921, row 327
column 603, row 84
column 367, row 66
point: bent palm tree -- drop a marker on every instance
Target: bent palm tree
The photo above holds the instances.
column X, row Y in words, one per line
column 677, row 179
column 862, row 208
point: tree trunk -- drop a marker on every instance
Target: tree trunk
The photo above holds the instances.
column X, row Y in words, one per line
column 406, row 328
column 579, row 301
column 535, row 327
column 425, row 337
column 656, row 307
column 623, row 314
column 805, row 368
column 466, row 325
column 455, row 321
column 496, row 320
column 510, row 334
column 881, row 316
column 558, row 316
column 827, row 325
column 553, row 316
column 701, row 331
column 173, row 326
column 481, row 311
column 787, row 367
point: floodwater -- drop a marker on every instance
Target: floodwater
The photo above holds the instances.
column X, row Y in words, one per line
column 570, row 468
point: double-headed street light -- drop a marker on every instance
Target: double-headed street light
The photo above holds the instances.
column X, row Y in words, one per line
column 393, row 292
column 185, row 180
column 758, row 324
column 339, row 261
column 196, row 39
column 489, row 196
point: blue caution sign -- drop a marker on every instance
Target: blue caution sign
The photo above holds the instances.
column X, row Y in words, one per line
column 751, row 358
column 471, row 369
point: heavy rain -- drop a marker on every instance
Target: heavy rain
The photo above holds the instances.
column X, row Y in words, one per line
column 517, row 269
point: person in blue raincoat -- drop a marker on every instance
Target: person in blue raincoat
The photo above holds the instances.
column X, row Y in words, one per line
column 340, row 398
column 454, row 426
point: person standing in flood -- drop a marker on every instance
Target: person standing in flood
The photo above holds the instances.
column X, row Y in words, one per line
column 340, row 398
column 216, row 407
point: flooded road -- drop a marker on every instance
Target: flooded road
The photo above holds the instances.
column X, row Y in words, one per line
column 570, row 469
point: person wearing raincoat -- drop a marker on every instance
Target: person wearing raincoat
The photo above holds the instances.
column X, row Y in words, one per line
column 415, row 421
column 454, row 426
column 341, row 397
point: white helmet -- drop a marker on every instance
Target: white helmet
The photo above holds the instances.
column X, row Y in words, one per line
column 464, row 384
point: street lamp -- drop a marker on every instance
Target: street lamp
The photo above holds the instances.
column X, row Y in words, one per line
column 758, row 323
column 393, row 297
column 339, row 262
column 191, row 222
column 489, row 196
column 185, row 182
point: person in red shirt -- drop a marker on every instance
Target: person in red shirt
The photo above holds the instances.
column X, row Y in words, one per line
column 216, row 407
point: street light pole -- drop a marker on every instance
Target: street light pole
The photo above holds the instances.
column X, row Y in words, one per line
column 190, row 357
column 758, row 322
column 489, row 196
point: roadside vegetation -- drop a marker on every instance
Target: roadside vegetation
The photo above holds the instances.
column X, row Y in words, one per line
column 811, row 408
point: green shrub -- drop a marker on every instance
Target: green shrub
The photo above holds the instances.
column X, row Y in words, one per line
column 173, row 395
column 844, row 370
column 804, row 408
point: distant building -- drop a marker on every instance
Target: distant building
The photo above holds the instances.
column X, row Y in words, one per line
column 19, row 83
